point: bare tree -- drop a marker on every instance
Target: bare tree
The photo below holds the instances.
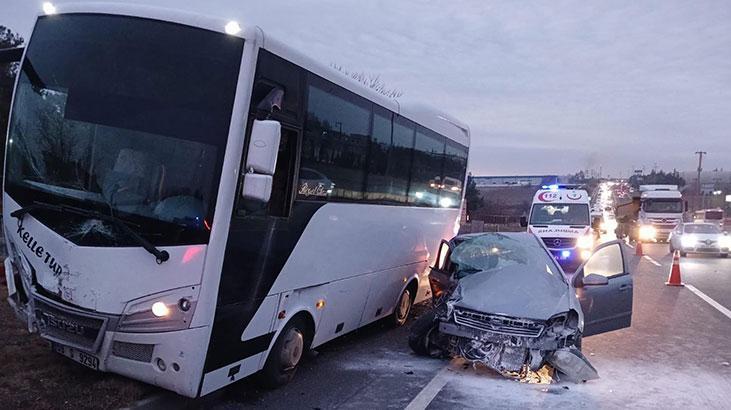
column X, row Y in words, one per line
column 372, row 81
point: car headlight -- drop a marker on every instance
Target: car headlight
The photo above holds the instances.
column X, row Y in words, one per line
column 647, row 232
column 725, row 241
column 161, row 312
column 688, row 241
column 585, row 242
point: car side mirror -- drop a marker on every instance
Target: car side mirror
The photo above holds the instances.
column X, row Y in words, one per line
column 261, row 160
column 594, row 279
column 523, row 221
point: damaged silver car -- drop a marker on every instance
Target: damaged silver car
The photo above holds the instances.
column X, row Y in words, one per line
column 501, row 300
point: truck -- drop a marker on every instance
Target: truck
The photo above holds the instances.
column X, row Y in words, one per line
column 714, row 216
column 651, row 213
column 560, row 217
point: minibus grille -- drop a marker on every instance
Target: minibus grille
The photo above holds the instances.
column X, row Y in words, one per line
column 69, row 327
column 133, row 351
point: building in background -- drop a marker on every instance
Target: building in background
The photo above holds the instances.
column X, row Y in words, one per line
column 515, row 180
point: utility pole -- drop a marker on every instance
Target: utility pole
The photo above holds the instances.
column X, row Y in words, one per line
column 700, row 168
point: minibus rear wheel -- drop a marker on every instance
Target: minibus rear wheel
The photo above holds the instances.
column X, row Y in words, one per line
column 286, row 354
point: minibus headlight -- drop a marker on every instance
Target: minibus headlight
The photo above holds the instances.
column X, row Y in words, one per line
column 647, row 232
column 161, row 312
column 585, row 242
column 160, row 309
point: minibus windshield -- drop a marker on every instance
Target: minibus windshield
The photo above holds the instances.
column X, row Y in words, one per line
column 126, row 116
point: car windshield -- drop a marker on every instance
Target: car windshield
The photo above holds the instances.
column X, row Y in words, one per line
column 663, row 205
column 520, row 254
column 560, row 214
column 126, row 116
column 702, row 228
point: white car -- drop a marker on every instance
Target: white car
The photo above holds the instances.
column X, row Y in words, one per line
column 699, row 238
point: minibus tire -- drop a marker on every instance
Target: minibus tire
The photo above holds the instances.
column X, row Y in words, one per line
column 399, row 316
column 284, row 357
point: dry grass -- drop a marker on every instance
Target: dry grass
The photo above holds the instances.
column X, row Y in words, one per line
column 34, row 377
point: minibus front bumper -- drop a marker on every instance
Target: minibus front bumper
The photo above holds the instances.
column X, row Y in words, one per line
column 172, row 360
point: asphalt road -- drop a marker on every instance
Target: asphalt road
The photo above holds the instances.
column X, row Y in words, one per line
column 710, row 274
column 676, row 354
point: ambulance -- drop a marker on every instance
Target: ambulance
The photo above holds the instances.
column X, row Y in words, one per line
column 560, row 216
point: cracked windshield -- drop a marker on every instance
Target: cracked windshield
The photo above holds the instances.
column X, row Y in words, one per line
column 111, row 116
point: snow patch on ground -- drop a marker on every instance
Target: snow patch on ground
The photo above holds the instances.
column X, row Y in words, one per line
column 621, row 384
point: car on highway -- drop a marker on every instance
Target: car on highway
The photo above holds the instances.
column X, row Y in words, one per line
column 501, row 299
column 705, row 238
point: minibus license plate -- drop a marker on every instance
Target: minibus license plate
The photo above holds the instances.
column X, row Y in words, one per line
column 76, row 355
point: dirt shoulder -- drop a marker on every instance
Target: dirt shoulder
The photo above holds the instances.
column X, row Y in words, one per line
column 34, row 377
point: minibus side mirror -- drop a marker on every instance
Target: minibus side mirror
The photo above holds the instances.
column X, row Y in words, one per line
column 523, row 221
column 261, row 161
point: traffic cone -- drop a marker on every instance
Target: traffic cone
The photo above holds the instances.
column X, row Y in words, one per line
column 674, row 278
column 638, row 248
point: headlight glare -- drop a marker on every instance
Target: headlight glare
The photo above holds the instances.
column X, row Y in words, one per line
column 585, row 242
column 688, row 241
column 160, row 309
column 725, row 241
column 647, row 232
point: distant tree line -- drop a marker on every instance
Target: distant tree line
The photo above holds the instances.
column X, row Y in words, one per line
column 658, row 178
column 8, row 71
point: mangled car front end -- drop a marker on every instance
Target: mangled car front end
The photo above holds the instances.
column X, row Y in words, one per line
column 501, row 301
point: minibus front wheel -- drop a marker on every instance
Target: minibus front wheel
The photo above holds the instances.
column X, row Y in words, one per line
column 289, row 349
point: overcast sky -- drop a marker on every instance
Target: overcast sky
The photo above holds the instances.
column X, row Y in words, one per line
column 546, row 87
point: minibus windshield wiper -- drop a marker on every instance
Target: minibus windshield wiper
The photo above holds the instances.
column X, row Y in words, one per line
column 161, row 256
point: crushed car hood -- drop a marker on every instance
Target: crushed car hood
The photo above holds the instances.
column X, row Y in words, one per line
column 514, row 292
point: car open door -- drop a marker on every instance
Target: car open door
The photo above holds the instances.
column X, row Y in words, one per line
column 604, row 289
column 439, row 276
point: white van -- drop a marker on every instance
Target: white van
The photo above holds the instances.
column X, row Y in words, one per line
column 560, row 216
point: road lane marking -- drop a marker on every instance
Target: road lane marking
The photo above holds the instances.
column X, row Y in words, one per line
column 430, row 391
column 710, row 301
column 653, row 261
